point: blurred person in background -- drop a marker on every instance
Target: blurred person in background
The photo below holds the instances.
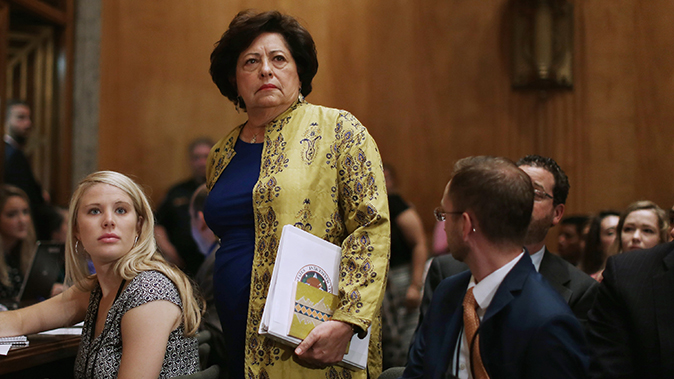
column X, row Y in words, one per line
column 570, row 239
column 600, row 236
column 17, row 240
column 642, row 225
column 173, row 229
column 18, row 170
column 208, row 244
column 400, row 308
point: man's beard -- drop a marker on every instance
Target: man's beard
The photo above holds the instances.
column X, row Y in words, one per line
column 457, row 248
column 20, row 139
column 538, row 230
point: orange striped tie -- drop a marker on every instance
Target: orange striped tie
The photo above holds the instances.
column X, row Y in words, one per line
column 470, row 324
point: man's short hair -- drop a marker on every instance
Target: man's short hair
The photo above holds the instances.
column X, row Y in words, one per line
column 500, row 195
column 579, row 221
column 10, row 104
column 198, row 142
column 561, row 189
column 199, row 199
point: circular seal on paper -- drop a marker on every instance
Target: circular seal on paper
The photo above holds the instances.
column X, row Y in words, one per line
column 315, row 276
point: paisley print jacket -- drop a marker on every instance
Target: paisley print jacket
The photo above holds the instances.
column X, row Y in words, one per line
column 320, row 171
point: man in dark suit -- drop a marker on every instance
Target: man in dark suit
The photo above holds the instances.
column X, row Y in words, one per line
column 526, row 330
column 631, row 325
column 18, row 171
column 551, row 187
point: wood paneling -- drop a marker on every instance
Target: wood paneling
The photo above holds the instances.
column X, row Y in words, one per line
column 430, row 80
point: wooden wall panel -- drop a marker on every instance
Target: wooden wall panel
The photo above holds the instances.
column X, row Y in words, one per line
column 430, row 80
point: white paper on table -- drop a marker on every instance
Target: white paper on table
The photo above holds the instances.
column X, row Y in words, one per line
column 75, row 330
column 63, row 332
column 4, row 349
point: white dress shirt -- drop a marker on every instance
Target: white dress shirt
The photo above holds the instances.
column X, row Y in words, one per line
column 484, row 293
column 537, row 258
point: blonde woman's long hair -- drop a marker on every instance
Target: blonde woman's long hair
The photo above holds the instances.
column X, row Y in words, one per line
column 143, row 256
column 27, row 246
column 663, row 224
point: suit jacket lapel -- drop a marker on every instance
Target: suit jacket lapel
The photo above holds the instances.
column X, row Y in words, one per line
column 455, row 299
column 512, row 283
column 556, row 274
column 663, row 293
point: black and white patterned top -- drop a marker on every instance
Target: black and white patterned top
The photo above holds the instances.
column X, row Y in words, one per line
column 100, row 357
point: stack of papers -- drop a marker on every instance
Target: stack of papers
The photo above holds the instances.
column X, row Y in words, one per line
column 7, row 343
column 75, row 330
column 313, row 262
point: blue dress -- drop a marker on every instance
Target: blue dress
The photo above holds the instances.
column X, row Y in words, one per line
column 229, row 213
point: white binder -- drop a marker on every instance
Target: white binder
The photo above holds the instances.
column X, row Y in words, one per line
column 304, row 257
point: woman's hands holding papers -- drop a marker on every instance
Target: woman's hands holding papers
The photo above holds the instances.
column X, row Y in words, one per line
column 326, row 344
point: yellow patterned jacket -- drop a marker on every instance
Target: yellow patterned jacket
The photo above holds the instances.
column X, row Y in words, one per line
column 320, row 171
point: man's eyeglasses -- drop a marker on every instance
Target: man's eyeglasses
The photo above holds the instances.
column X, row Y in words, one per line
column 441, row 215
column 541, row 195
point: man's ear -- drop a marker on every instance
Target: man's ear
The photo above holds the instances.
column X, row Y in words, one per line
column 557, row 214
column 201, row 221
column 467, row 226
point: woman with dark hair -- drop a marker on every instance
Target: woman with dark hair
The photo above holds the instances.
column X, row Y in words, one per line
column 600, row 236
column 17, row 240
column 295, row 163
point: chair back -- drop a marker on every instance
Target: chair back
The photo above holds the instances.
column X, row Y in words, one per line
column 392, row 373
column 210, row 373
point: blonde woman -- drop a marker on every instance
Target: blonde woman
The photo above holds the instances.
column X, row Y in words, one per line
column 140, row 314
column 17, row 240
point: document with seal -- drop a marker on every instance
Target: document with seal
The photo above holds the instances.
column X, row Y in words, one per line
column 309, row 260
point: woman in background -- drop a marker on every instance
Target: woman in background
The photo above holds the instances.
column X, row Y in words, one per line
column 400, row 308
column 642, row 225
column 140, row 314
column 17, row 240
column 294, row 163
column 600, row 236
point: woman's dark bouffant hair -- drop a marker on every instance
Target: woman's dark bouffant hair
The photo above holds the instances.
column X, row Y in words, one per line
column 243, row 30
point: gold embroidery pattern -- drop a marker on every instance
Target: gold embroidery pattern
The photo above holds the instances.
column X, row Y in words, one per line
column 334, row 228
column 309, row 143
column 268, row 190
column 220, row 160
column 304, row 216
column 275, row 160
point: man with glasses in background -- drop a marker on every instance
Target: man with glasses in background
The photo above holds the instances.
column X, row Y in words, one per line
column 551, row 188
column 501, row 318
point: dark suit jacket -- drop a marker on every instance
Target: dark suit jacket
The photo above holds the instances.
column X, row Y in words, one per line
column 19, row 173
column 527, row 330
column 631, row 325
column 576, row 287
